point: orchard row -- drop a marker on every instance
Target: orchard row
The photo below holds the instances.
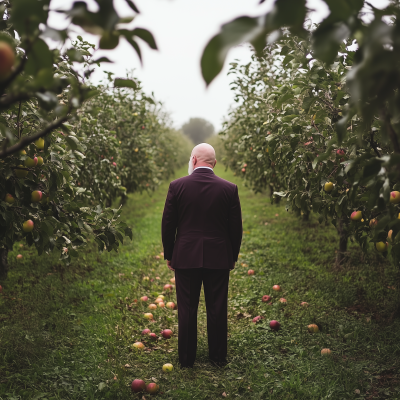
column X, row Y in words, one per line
column 301, row 133
column 71, row 150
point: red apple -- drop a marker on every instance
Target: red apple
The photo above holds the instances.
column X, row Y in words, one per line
column 243, row 169
column 250, row 272
column 39, row 161
column 274, row 325
column 340, row 152
column 159, row 300
column 19, row 256
column 161, row 304
column 146, row 331
column 168, row 287
column 304, row 304
column 7, row 59
column 356, row 215
column 9, row 199
column 36, row 196
column 138, row 386
column 144, row 298
column 153, row 336
column 325, row 352
column 151, row 388
column 266, row 298
column 28, row 225
column 166, row 333
column 114, row 164
column 138, row 345
column 277, row 288
column 152, row 306
column 282, row 300
column 245, row 165
column 313, row 328
column 395, row 197
column 256, row 319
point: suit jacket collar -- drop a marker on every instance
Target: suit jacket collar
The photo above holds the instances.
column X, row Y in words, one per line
column 203, row 171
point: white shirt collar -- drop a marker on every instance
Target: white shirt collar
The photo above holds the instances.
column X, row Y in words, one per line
column 202, row 167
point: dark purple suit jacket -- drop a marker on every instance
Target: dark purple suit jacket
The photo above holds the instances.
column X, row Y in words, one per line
column 202, row 222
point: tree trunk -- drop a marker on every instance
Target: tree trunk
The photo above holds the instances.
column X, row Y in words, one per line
column 342, row 231
column 124, row 199
column 3, row 263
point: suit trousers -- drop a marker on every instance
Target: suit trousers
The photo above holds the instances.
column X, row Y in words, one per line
column 188, row 287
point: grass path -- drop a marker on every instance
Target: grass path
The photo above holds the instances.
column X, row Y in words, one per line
column 67, row 333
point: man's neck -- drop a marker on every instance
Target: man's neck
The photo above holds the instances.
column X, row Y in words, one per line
column 202, row 164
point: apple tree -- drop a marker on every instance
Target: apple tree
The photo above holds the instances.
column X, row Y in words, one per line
column 41, row 154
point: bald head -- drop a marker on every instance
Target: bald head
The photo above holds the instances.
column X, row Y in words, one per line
column 204, row 153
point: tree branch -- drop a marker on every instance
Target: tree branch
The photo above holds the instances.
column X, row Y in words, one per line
column 374, row 144
column 30, row 139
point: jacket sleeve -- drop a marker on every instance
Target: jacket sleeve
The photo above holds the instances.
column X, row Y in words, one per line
column 235, row 224
column 169, row 224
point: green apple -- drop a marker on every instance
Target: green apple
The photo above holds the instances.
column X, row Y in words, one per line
column 167, row 367
column 30, row 162
column 21, row 172
column 9, row 199
column 39, row 143
column 328, row 187
column 36, row 196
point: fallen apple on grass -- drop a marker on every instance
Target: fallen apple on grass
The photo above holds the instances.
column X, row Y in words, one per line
column 152, row 388
column 146, row 331
column 138, row 345
column 167, row 367
column 250, row 272
column 161, row 304
column 168, row 287
column 159, row 300
column 152, row 307
column 313, row 328
column 282, row 300
column 153, row 336
column 144, row 298
column 274, row 325
column 277, row 288
column 166, row 333
column 19, row 256
column 325, row 352
column 304, row 304
column 138, row 385
column 161, row 296
column 146, row 278
column 266, row 298
column 148, row 316
column 256, row 319
column 170, row 305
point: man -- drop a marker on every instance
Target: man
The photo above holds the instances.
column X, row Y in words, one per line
column 201, row 234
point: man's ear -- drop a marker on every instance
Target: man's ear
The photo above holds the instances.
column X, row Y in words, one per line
column 194, row 160
column 215, row 163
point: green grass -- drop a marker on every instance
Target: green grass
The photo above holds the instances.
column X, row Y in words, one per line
column 67, row 332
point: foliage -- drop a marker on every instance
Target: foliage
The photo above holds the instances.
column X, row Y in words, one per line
column 198, row 130
column 43, row 97
column 290, row 133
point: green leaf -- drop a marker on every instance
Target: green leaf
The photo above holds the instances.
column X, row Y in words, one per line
column 240, row 30
column 132, row 6
column 146, row 36
column 129, row 83
column 327, row 40
column 39, row 57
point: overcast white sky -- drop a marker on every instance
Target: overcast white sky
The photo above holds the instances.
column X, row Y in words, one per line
column 182, row 28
